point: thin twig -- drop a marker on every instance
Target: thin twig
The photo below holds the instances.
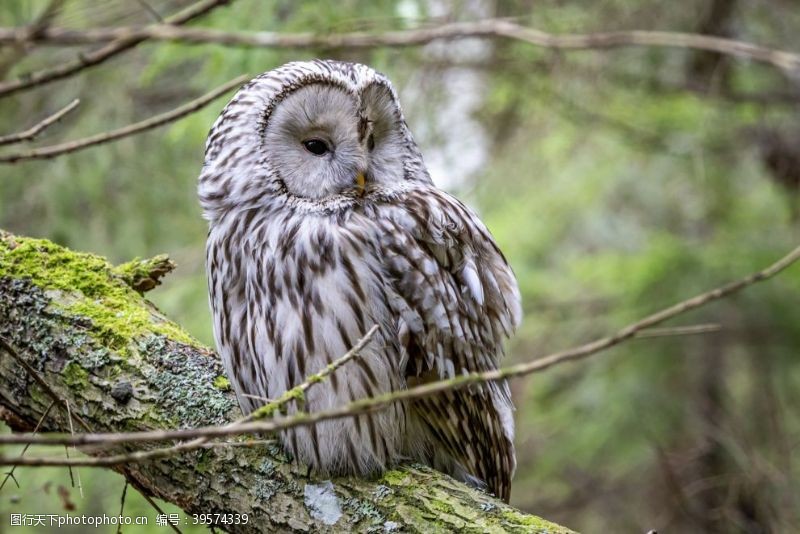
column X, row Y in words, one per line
column 122, row 505
column 66, row 450
column 679, row 331
column 372, row 404
column 158, row 509
column 131, row 129
column 38, row 128
column 256, row 397
column 10, row 474
column 95, row 57
column 784, row 60
column 151, row 10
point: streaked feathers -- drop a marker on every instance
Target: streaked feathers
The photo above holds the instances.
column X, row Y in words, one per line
column 295, row 280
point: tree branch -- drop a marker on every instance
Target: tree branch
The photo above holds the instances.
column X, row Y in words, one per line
column 95, row 57
column 784, row 60
column 39, row 127
column 131, row 129
column 87, row 334
column 372, row 404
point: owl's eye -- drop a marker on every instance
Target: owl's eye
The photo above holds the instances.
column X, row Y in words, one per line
column 371, row 142
column 318, row 147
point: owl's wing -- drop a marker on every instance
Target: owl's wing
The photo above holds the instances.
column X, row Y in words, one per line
column 456, row 300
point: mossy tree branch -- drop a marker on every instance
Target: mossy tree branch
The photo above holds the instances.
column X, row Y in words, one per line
column 122, row 366
column 145, row 274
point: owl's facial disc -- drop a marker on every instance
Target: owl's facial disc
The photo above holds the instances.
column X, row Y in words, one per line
column 323, row 140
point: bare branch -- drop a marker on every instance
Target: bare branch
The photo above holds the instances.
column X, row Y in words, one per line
column 95, row 57
column 132, row 129
column 122, row 504
column 679, row 331
column 150, row 10
column 784, row 60
column 38, row 128
column 372, row 404
column 66, row 451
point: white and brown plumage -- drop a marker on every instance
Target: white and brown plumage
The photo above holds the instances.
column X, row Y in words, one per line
column 324, row 222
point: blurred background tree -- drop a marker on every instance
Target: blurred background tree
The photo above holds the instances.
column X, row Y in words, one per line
column 616, row 182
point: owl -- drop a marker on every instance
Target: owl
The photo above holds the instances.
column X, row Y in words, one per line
column 323, row 222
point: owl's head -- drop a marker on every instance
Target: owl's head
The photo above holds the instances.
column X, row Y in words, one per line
column 321, row 133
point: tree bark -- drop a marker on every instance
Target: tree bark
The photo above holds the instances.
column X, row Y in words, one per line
column 122, row 366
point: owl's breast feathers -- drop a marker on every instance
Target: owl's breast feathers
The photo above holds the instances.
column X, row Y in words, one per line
column 292, row 291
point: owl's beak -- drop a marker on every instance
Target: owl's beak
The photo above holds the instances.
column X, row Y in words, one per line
column 361, row 183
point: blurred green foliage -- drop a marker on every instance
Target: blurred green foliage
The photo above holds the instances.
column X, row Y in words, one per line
column 616, row 182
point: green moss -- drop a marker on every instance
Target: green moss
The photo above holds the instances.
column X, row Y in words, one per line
column 395, row 477
column 145, row 274
column 441, row 506
column 204, row 461
column 75, row 376
column 296, row 394
column 39, row 397
column 222, row 383
column 531, row 523
column 269, row 409
column 264, row 412
column 139, row 268
column 115, row 310
column 322, row 375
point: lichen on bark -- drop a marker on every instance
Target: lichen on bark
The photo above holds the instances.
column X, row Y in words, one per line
column 123, row 366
